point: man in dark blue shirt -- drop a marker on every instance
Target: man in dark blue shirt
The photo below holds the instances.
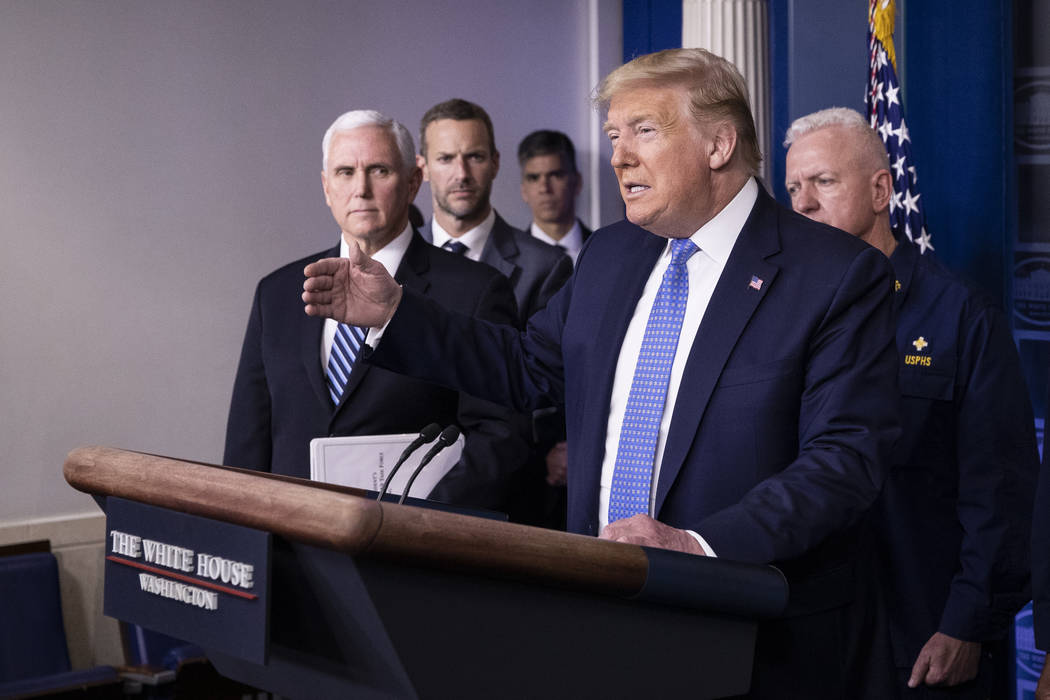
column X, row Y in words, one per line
column 955, row 512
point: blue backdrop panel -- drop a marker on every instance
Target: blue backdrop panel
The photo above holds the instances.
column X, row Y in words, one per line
column 957, row 72
column 651, row 25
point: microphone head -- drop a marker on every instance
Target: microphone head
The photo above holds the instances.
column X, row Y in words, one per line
column 430, row 432
column 449, row 435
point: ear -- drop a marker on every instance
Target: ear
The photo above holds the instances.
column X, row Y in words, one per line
column 723, row 144
column 415, row 179
column 881, row 190
column 421, row 163
column 495, row 164
column 324, row 186
column 579, row 184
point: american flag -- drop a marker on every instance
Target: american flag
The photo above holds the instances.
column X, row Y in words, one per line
column 886, row 114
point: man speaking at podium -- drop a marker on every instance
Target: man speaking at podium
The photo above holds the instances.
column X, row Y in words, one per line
column 727, row 368
column 299, row 377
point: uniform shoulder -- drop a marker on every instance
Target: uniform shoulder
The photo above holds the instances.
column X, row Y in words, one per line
column 933, row 273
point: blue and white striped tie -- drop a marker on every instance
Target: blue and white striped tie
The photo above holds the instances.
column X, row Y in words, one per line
column 632, row 475
column 346, row 346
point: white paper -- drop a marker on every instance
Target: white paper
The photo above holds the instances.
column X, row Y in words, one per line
column 364, row 462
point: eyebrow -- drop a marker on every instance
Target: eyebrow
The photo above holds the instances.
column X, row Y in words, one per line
column 632, row 121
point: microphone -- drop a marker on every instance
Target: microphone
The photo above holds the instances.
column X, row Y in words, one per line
column 448, row 436
column 426, row 435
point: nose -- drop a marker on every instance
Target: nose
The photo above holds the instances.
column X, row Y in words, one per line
column 803, row 201
column 362, row 185
column 545, row 183
column 461, row 169
column 622, row 155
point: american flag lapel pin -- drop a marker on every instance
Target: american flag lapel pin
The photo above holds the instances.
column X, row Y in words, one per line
column 756, row 283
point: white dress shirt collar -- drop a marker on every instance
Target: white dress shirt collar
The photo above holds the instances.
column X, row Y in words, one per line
column 571, row 241
column 474, row 239
column 718, row 236
column 389, row 255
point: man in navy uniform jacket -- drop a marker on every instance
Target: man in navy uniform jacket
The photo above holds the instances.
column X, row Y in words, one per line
column 776, row 405
column 955, row 512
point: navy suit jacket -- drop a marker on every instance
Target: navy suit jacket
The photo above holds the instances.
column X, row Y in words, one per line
column 788, row 403
column 781, row 429
column 782, row 426
column 280, row 399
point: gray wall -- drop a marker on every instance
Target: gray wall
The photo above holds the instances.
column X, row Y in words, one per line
column 157, row 158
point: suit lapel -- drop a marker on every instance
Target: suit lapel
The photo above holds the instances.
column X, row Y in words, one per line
column 311, row 332
column 733, row 303
column 410, row 273
column 500, row 250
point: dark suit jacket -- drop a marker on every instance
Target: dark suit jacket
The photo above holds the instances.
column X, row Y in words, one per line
column 535, row 270
column 280, row 400
column 780, row 432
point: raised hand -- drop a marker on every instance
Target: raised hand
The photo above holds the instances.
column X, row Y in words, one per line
column 355, row 290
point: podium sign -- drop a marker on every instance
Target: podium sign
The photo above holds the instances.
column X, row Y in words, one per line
column 196, row 579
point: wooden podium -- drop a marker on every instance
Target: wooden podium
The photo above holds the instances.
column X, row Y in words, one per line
column 376, row 600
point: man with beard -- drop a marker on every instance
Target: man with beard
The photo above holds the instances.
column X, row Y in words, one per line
column 459, row 159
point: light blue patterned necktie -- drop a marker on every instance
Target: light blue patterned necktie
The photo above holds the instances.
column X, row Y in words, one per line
column 346, row 346
column 632, row 475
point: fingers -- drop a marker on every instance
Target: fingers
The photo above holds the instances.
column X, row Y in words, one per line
column 918, row 671
column 325, row 267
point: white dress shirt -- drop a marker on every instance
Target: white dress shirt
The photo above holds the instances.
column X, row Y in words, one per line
column 474, row 239
column 571, row 241
column 390, row 256
column 715, row 239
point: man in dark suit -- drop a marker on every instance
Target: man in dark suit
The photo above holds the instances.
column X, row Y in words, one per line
column 457, row 152
column 298, row 378
column 550, row 184
column 956, row 510
column 727, row 368
column 459, row 159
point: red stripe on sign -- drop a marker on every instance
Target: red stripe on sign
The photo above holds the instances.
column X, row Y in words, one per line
column 182, row 577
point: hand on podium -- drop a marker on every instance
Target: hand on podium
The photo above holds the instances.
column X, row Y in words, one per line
column 355, row 290
column 642, row 530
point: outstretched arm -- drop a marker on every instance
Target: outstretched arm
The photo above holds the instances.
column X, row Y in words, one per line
column 355, row 290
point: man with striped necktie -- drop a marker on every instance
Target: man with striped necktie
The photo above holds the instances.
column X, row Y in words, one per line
column 299, row 378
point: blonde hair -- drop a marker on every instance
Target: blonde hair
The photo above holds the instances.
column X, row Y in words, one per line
column 716, row 90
